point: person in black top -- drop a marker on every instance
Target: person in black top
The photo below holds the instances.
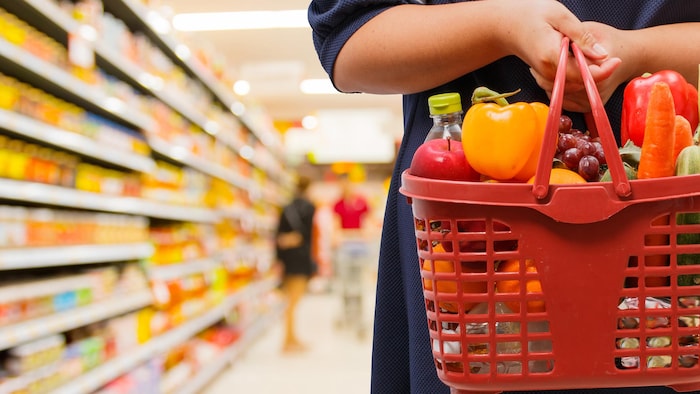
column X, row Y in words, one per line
column 418, row 48
column 294, row 252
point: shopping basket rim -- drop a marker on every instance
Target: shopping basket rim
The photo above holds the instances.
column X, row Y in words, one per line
column 564, row 202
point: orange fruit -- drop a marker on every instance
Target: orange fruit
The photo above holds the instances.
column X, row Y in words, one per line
column 513, row 285
column 562, row 176
column 450, row 286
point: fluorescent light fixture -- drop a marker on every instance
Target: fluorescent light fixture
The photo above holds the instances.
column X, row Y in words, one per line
column 317, row 86
column 245, row 20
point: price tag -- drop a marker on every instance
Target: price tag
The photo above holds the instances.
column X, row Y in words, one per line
column 81, row 51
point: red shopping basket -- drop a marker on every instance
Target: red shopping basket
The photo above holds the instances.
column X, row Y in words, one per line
column 591, row 311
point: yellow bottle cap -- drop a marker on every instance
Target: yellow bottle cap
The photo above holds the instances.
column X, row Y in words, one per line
column 445, row 103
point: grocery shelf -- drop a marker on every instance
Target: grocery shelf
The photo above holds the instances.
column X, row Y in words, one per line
column 90, row 96
column 213, row 367
column 106, row 372
column 145, row 19
column 179, row 270
column 38, row 130
column 183, row 156
column 36, row 328
column 138, row 76
column 60, row 196
column 51, row 256
column 127, row 69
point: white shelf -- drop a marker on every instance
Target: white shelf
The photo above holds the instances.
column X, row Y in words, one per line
column 65, row 197
column 203, row 74
column 74, row 86
column 50, row 256
column 171, row 271
column 213, row 367
column 52, row 11
column 77, row 143
column 98, row 377
column 144, row 79
column 183, row 156
column 118, row 304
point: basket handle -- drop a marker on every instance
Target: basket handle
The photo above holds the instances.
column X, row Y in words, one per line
column 621, row 184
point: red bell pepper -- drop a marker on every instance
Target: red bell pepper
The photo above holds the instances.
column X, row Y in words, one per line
column 636, row 98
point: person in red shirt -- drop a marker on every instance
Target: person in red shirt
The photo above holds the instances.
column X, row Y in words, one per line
column 351, row 208
column 351, row 253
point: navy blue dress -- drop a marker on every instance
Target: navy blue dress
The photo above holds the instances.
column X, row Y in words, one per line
column 402, row 362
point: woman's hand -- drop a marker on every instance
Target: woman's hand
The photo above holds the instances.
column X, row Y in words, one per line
column 535, row 36
column 609, row 72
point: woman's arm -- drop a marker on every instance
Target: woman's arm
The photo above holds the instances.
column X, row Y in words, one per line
column 411, row 48
column 666, row 47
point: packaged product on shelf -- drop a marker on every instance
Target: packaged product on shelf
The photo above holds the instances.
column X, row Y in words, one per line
column 34, row 355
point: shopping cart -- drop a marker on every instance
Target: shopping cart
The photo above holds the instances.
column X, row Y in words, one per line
column 350, row 268
column 597, row 321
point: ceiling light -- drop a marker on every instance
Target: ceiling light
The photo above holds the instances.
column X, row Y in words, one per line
column 241, row 87
column 245, row 20
column 317, row 86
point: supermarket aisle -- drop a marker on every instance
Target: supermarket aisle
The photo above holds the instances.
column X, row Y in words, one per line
column 337, row 362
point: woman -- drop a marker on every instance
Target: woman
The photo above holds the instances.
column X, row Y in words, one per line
column 418, row 49
column 294, row 251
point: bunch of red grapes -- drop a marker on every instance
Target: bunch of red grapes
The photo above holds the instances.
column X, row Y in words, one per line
column 579, row 151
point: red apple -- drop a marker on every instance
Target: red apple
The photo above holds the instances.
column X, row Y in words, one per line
column 443, row 159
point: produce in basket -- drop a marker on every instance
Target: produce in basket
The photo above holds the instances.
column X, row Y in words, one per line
column 513, row 285
column 562, row 176
column 656, row 158
column 442, row 158
column 682, row 135
column 578, row 151
column 450, row 286
column 503, row 141
column 636, row 99
column 688, row 163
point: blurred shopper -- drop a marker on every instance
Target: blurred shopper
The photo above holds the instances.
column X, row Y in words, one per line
column 351, row 209
column 294, row 252
column 351, row 253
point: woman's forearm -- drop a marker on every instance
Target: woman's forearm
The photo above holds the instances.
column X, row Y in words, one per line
column 668, row 47
column 412, row 48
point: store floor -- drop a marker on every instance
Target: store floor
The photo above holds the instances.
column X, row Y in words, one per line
column 337, row 361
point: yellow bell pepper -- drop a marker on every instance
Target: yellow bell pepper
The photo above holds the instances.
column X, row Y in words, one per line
column 503, row 141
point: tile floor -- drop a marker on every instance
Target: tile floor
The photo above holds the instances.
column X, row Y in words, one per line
column 338, row 360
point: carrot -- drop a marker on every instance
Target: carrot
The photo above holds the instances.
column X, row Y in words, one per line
column 657, row 160
column 683, row 135
column 656, row 157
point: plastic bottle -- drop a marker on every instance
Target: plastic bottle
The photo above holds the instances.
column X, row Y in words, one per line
column 446, row 112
